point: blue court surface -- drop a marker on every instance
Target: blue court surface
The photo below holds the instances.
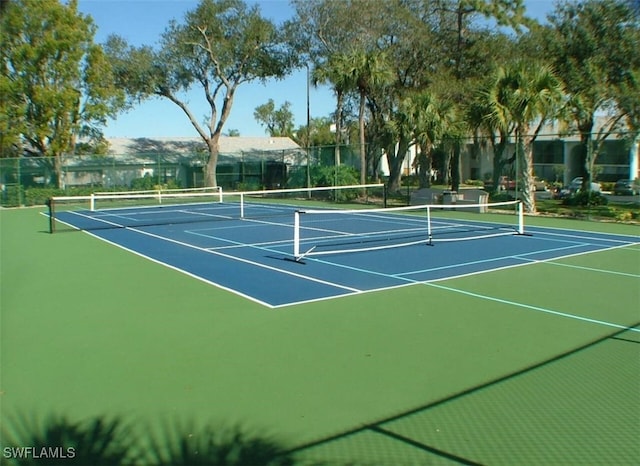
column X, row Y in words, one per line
column 254, row 256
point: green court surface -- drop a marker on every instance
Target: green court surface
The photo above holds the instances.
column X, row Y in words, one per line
column 538, row 364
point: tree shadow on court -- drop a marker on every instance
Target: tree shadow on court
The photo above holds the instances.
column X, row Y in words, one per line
column 28, row 440
column 380, row 426
column 54, row 440
column 185, row 444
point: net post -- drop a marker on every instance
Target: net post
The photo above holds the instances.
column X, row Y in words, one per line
column 520, row 219
column 384, row 196
column 92, row 203
column 241, row 205
column 296, row 235
column 220, row 194
column 52, row 223
column 159, row 196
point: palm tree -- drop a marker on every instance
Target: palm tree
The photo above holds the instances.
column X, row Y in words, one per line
column 337, row 71
column 369, row 71
column 484, row 123
column 428, row 116
column 527, row 95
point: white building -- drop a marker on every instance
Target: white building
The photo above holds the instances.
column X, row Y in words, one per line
column 556, row 157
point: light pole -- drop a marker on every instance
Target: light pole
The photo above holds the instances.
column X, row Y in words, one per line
column 308, row 133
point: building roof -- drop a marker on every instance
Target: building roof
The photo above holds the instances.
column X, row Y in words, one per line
column 193, row 145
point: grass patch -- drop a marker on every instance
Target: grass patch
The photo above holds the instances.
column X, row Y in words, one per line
column 611, row 212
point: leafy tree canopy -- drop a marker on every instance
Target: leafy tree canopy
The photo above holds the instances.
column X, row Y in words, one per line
column 220, row 45
column 277, row 122
column 56, row 83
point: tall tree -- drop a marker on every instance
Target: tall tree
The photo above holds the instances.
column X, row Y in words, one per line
column 220, row 45
column 335, row 34
column 490, row 126
column 277, row 122
column 527, row 95
column 318, row 133
column 337, row 72
column 593, row 46
column 439, row 45
column 470, row 53
column 370, row 72
column 56, row 83
column 432, row 120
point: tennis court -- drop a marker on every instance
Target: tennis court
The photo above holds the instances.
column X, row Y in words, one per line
column 326, row 253
column 508, row 349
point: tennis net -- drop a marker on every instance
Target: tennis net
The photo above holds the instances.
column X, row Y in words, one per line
column 277, row 202
column 130, row 209
column 332, row 231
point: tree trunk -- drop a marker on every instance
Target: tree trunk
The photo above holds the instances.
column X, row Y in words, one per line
column 498, row 162
column 423, row 166
column 525, row 152
column 586, row 127
column 338, row 130
column 363, row 154
column 210, row 178
column 57, row 167
column 395, row 161
column 455, row 167
column 446, row 166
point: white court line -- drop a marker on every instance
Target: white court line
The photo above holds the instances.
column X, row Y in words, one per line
column 590, row 269
column 239, row 259
column 493, row 259
column 164, row 264
column 433, row 283
column 534, row 308
column 355, row 291
column 591, row 238
column 239, row 245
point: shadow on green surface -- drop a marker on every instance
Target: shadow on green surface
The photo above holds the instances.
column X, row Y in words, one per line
column 379, row 427
column 112, row 441
column 56, row 440
column 28, row 440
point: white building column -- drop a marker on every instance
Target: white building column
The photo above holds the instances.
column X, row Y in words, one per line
column 634, row 156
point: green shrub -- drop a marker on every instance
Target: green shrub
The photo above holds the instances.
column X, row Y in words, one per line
column 586, row 199
column 474, row 183
column 39, row 196
column 320, row 175
column 248, row 186
column 150, row 183
column 326, row 176
column 500, row 197
column 12, row 196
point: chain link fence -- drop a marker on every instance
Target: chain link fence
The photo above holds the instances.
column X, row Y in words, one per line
column 31, row 180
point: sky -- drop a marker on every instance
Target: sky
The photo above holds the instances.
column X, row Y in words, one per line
column 141, row 22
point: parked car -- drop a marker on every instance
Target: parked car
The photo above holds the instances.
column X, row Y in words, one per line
column 576, row 185
column 626, row 188
column 572, row 188
column 504, row 184
column 540, row 185
column 560, row 193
